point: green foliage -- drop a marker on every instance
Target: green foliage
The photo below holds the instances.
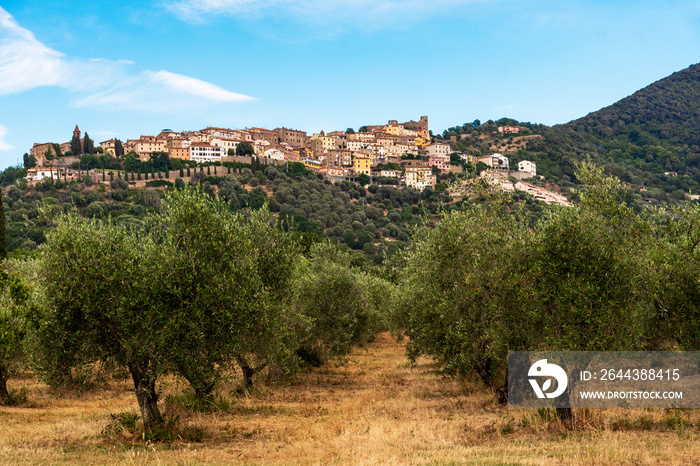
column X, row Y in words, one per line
column 482, row 282
column 3, row 240
column 20, row 314
column 120, row 423
column 160, row 161
column 76, row 146
column 88, row 145
column 158, row 183
column 11, row 174
column 118, row 148
column 189, row 291
column 342, row 306
column 29, row 161
column 245, row 149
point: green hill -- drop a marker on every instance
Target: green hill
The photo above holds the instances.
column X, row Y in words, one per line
column 650, row 140
column 667, row 110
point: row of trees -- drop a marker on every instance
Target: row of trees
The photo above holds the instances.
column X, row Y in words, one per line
column 193, row 291
column 201, row 286
column 597, row 277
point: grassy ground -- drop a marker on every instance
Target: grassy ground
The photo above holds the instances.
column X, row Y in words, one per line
column 376, row 409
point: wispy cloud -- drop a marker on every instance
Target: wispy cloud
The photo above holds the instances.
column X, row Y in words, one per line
column 3, row 145
column 26, row 63
column 155, row 91
column 332, row 15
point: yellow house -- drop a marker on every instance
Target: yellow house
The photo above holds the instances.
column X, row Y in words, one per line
column 420, row 142
column 393, row 129
column 361, row 164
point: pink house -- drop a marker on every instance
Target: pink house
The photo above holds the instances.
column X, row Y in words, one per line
column 440, row 163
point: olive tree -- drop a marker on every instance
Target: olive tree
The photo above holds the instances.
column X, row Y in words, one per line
column 105, row 284
column 192, row 289
column 230, row 277
column 482, row 282
column 463, row 291
column 19, row 316
column 675, row 263
column 342, row 306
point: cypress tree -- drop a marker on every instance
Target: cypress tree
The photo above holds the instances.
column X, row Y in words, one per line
column 103, row 174
column 167, row 174
column 214, row 170
column 76, row 146
column 182, row 173
column 188, row 170
column 88, row 145
column 118, row 148
column 208, row 170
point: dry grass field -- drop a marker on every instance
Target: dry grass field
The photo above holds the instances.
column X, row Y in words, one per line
column 376, row 409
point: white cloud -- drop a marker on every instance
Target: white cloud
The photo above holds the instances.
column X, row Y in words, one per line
column 3, row 145
column 26, row 63
column 195, row 87
column 331, row 15
column 160, row 91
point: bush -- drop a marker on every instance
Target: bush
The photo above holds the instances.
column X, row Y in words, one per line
column 96, row 209
column 151, row 198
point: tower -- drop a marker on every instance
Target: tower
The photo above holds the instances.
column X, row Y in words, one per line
column 76, row 132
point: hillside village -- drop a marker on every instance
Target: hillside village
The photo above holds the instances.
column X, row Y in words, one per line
column 405, row 152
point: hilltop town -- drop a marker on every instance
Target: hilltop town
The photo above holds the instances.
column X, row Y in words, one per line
column 404, row 154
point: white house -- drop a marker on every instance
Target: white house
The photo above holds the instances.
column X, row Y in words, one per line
column 419, row 177
column 201, row 152
column 40, row 173
column 495, row 161
column 527, row 167
column 274, row 154
column 438, row 150
column 225, row 143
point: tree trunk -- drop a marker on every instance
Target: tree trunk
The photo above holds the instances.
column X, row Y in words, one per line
column 566, row 415
column 564, row 411
column 201, row 378
column 248, row 372
column 4, row 375
column 146, row 395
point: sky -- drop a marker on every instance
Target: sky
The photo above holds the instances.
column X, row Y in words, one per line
column 131, row 68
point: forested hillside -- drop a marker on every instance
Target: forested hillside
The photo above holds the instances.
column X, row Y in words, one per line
column 650, row 140
column 375, row 221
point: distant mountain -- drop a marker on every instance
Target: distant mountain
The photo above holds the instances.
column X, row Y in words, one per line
column 667, row 110
column 650, row 140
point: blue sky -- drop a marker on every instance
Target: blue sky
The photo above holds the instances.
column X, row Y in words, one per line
column 123, row 69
